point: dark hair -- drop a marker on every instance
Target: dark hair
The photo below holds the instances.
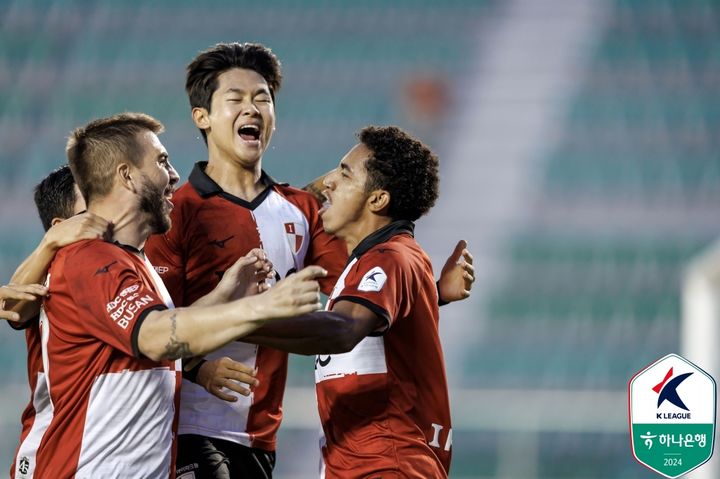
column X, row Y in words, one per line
column 202, row 73
column 55, row 196
column 95, row 150
column 402, row 166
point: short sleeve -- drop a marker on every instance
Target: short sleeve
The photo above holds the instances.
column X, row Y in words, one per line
column 380, row 282
column 110, row 287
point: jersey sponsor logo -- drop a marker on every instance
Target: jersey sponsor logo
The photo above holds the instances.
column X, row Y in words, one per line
column 319, row 361
column 161, row 269
column 104, row 269
column 374, row 280
column 122, row 309
column 23, row 465
column 295, row 239
column 368, row 357
column 220, row 243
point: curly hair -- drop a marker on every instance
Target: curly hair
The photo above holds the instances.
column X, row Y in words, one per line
column 404, row 167
column 202, row 73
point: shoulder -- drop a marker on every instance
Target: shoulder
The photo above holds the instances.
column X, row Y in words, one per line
column 185, row 199
column 399, row 253
column 300, row 198
column 91, row 253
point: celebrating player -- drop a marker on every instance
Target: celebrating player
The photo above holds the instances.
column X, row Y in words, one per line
column 110, row 335
column 229, row 206
column 57, row 199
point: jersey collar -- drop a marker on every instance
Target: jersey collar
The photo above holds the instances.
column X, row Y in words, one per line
column 206, row 186
column 382, row 235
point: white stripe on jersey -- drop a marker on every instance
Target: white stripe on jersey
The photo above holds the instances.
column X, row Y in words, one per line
column 367, row 357
column 25, row 459
column 204, row 414
column 144, row 400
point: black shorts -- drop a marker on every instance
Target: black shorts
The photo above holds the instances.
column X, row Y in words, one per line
column 201, row 457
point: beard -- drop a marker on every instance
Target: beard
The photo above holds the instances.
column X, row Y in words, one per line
column 152, row 202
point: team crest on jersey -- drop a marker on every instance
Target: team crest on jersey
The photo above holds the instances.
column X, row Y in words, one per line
column 374, row 280
column 294, row 236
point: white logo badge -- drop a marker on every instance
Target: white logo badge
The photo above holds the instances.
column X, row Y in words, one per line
column 374, row 280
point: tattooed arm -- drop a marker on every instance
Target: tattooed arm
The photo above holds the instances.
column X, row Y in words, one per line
column 198, row 330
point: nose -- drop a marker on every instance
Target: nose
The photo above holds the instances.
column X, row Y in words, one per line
column 250, row 109
column 174, row 177
column 329, row 182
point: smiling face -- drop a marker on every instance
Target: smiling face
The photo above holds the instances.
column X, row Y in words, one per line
column 158, row 181
column 241, row 119
column 345, row 211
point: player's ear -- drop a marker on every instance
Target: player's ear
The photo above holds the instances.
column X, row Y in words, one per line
column 200, row 117
column 125, row 176
column 379, row 201
column 55, row 221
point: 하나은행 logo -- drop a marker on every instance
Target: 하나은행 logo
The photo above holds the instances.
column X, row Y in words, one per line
column 672, row 416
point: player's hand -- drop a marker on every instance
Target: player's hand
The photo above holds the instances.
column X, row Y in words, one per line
column 458, row 274
column 247, row 276
column 224, row 373
column 80, row 227
column 297, row 294
column 19, row 292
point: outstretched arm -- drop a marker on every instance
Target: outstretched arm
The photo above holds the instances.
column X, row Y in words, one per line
column 35, row 267
column 322, row 332
column 194, row 331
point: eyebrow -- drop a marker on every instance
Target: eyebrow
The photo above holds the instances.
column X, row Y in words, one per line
column 344, row 166
column 241, row 91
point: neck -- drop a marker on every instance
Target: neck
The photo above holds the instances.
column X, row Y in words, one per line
column 234, row 177
column 130, row 225
column 363, row 229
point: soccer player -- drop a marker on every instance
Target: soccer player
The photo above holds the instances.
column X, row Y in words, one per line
column 229, row 206
column 382, row 414
column 110, row 336
column 57, row 199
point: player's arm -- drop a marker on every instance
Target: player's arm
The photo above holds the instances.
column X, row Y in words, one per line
column 35, row 267
column 193, row 331
column 457, row 275
column 315, row 188
column 322, row 332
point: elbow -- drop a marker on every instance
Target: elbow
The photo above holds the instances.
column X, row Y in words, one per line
column 347, row 338
column 151, row 351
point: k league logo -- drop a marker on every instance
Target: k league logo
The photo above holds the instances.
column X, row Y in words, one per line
column 672, row 416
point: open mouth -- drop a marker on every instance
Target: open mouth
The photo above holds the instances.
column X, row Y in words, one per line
column 168, row 194
column 249, row 133
column 326, row 204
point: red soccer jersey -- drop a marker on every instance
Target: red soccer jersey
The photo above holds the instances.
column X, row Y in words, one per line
column 37, row 413
column 384, row 405
column 211, row 229
column 113, row 411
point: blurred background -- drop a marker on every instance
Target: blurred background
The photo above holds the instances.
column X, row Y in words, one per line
column 580, row 157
